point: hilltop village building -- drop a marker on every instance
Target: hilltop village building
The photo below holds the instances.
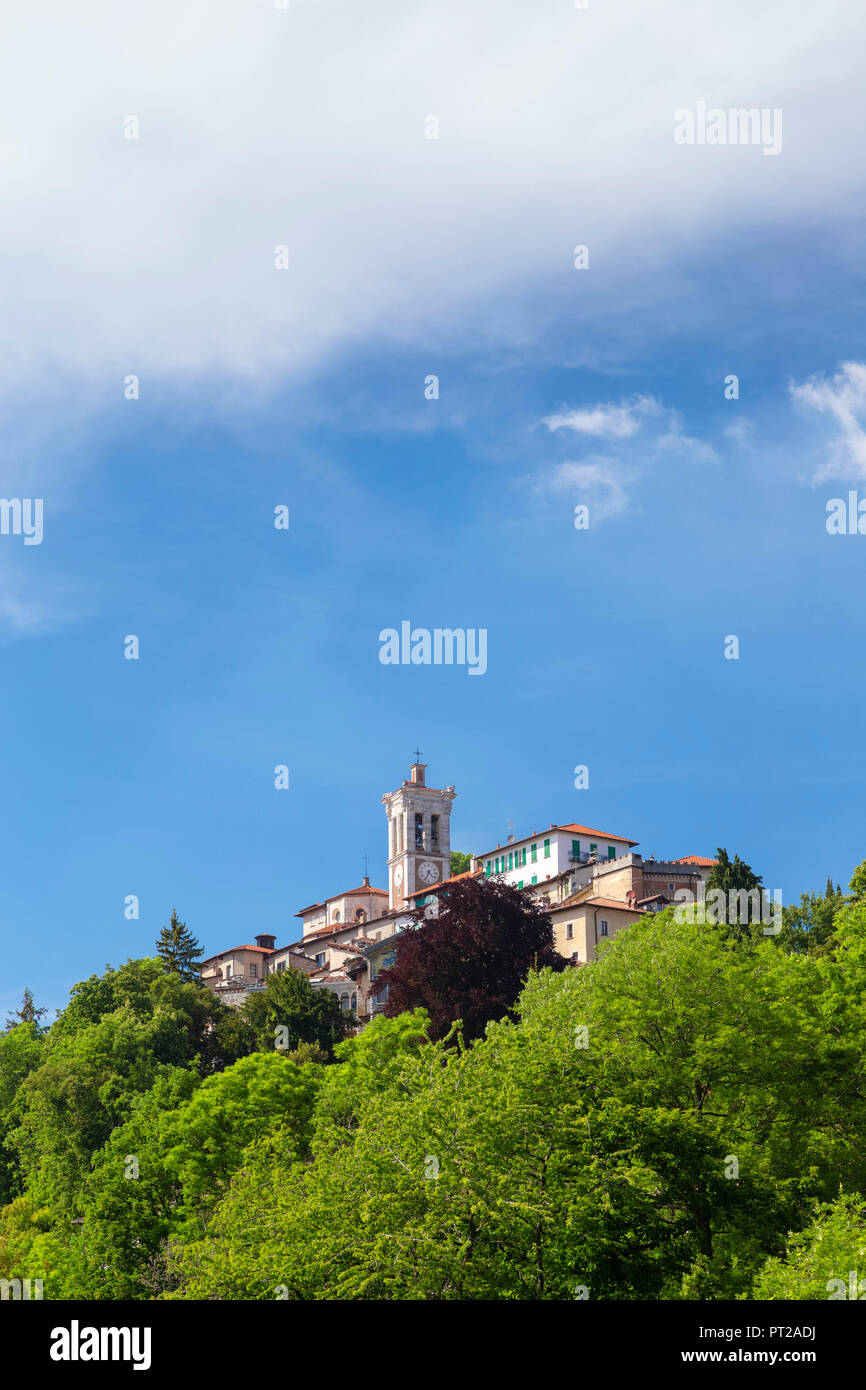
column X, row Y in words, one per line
column 591, row 883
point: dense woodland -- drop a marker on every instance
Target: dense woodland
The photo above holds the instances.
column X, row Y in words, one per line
column 682, row 1119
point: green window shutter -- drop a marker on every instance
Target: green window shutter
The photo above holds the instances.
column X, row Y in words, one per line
column 547, row 849
column 510, row 860
column 534, row 878
column 611, row 852
column 533, row 854
column 523, row 859
column 520, row 884
column 593, row 849
column 575, row 850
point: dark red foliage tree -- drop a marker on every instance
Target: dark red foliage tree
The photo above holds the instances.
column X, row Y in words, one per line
column 471, row 961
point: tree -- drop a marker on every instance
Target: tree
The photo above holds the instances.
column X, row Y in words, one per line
column 808, row 927
column 460, row 863
column 858, row 881
column 290, row 1002
column 819, row 1260
column 471, row 961
column 179, row 950
column 733, row 877
column 28, row 1013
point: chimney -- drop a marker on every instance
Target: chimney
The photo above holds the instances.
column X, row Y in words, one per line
column 416, row 773
column 365, row 882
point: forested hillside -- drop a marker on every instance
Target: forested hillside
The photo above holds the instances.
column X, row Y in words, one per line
column 683, row 1119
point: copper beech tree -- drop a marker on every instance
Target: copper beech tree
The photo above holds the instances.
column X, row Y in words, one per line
column 471, row 961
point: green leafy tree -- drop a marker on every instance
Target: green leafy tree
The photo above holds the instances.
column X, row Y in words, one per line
column 179, row 951
column 289, row 1002
column 163, row 1170
column 819, row 1261
column 858, row 881
column 809, row 926
column 460, row 863
column 21, row 1050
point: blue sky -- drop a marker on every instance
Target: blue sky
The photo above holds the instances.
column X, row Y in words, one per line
column 260, row 647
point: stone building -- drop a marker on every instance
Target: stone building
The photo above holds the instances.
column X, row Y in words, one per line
column 592, row 883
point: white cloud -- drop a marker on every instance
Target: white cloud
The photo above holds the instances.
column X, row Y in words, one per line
column 843, row 397
column 306, row 127
column 605, row 421
column 598, row 482
column 647, row 432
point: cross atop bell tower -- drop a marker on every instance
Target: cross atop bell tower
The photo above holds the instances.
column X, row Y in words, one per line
column 419, row 835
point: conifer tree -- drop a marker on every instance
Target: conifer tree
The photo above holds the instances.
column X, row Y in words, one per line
column 28, row 1013
column 179, row 951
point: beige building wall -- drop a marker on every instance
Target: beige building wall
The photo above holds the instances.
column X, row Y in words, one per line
column 585, row 920
column 249, row 963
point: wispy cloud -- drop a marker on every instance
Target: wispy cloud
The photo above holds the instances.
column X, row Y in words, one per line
column 843, row 398
column 645, row 431
column 599, row 482
column 606, row 421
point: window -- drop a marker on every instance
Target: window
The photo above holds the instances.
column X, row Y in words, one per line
column 523, row 856
column 534, row 878
column 569, row 931
column 520, row 884
column 228, row 971
column 354, row 1003
column 488, row 868
column 335, row 916
column 533, row 854
column 434, row 831
column 360, row 915
column 320, row 958
column 670, row 887
column 281, row 966
column 611, row 852
column 602, row 926
column 510, row 860
column 254, row 970
column 547, row 849
column 593, row 849
column 575, row 850
column 344, row 1002
column 419, row 830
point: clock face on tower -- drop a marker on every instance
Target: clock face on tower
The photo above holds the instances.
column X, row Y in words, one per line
column 428, row 872
column 398, row 875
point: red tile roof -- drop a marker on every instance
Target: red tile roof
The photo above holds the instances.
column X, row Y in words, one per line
column 697, row 859
column 263, row 950
column 588, row 830
column 455, row 878
column 349, row 893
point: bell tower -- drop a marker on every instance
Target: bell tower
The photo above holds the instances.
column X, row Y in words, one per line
column 419, row 835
